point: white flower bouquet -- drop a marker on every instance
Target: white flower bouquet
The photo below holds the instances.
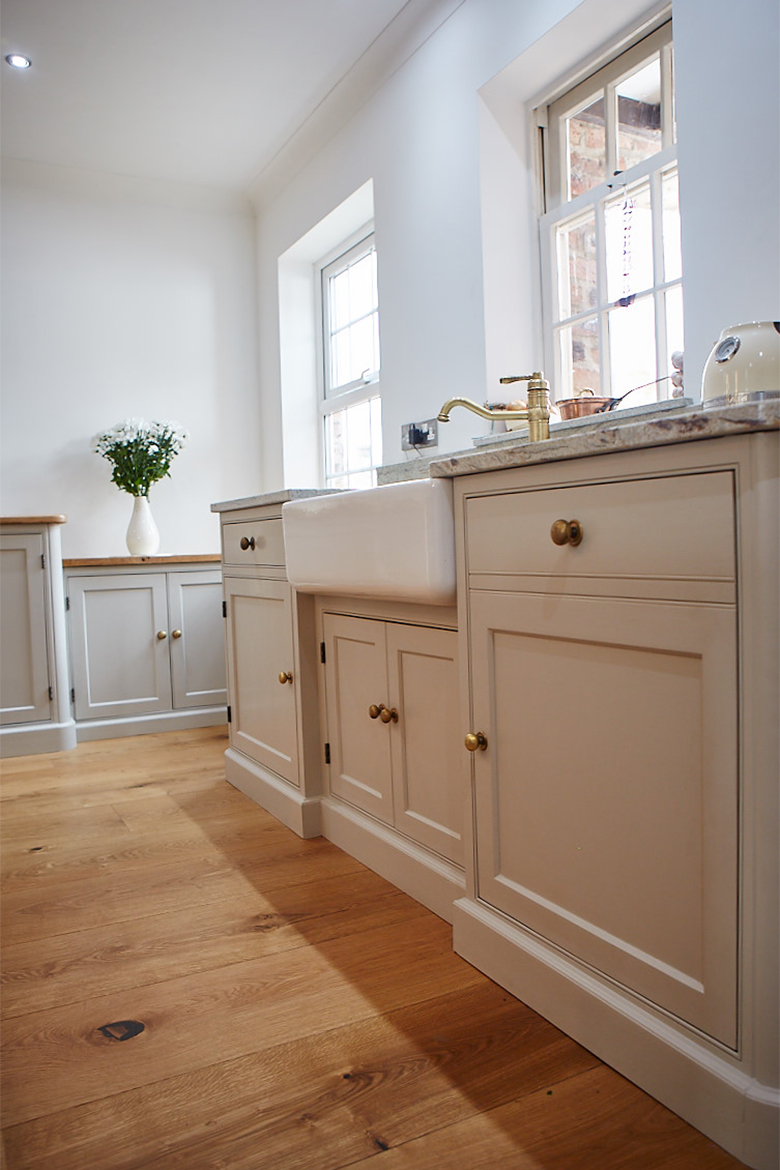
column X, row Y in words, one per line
column 141, row 452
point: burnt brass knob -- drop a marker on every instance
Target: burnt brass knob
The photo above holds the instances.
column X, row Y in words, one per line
column 247, row 542
column 476, row 741
column 176, row 634
column 388, row 715
column 566, row 532
column 285, row 676
column 161, row 635
column 375, row 711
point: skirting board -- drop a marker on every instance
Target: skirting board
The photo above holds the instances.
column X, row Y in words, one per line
column 276, row 796
column 150, row 724
column 32, row 739
column 426, row 877
column 685, row 1073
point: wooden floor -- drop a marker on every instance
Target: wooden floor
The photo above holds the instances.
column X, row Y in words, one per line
column 297, row 1010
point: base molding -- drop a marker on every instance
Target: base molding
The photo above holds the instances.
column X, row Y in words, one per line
column 425, row 876
column 276, row 796
column 705, row 1086
column 114, row 728
column 32, row 739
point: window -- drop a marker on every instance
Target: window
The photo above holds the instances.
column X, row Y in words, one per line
column 351, row 404
column 610, row 233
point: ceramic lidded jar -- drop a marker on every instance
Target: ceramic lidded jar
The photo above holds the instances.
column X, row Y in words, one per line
column 744, row 361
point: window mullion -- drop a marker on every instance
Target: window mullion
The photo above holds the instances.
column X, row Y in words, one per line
column 601, row 297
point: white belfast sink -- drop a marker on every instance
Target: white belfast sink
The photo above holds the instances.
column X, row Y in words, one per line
column 396, row 541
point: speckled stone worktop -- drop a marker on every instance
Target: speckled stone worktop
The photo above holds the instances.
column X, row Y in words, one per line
column 604, row 435
column 282, row 496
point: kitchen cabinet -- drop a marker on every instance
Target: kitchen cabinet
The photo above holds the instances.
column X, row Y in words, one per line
column 147, row 646
column 275, row 748
column 391, row 693
column 618, row 618
column 35, row 711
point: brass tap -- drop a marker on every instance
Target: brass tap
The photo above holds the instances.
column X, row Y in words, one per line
column 537, row 413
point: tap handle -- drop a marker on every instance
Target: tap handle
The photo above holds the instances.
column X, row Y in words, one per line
column 536, row 380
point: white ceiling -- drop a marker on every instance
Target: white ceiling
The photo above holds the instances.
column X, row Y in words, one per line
column 194, row 91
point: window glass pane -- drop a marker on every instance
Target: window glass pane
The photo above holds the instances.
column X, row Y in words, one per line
column 342, row 358
column 376, row 431
column 336, row 461
column 674, row 330
column 339, row 300
column 576, row 256
column 362, row 479
column 580, row 365
column 362, row 341
column 353, row 442
column 359, row 437
column 638, row 99
column 586, row 149
column 361, row 286
column 632, row 350
column 671, row 226
column 628, row 224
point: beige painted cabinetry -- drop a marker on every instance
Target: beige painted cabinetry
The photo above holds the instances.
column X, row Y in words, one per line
column 622, row 685
column 391, row 695
column 146, row 646
column 390, row 714
column 275, row 752
column 34, row 705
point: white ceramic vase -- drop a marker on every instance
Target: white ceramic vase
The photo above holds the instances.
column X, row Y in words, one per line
column 143, row 539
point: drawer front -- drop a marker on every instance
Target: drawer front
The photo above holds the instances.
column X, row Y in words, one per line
column 671, row 529
column 263, row 542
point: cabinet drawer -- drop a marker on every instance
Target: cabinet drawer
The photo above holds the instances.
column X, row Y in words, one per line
column 673, row 529
column 264, row 542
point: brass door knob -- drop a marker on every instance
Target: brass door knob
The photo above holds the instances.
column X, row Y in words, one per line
column 247, row 542
column 375, row 711
column 566, row 532
column 476, row 740
column 176, row 634
column 162, row 635
column 388, row 715
column 285, row 676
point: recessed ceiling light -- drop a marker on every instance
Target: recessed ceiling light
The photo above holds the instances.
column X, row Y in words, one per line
column 18, row 61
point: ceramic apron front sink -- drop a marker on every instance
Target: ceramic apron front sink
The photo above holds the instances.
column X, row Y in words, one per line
column 396, row 541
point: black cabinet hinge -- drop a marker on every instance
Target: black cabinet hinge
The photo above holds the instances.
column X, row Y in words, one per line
column 67, row 603
column 43, row 561
column 51, row 693
column 322, row 651
column 327, row 753
column 224, row 609
column 73, row 694
column 230, row 715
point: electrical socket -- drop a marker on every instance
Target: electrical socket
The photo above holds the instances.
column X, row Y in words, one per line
column 421, row 434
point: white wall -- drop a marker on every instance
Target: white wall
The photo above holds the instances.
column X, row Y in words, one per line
column 419, row 140
column 125, row 299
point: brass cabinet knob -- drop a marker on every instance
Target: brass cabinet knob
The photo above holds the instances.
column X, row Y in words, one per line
column 566, row 532
column 476, row 740
column 375, row 711
column 285, row 676
column 161, row 635
column 176, row 634
column 388, row 715
column 247, row 542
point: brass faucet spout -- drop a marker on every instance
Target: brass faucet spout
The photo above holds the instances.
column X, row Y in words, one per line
column 537, row 412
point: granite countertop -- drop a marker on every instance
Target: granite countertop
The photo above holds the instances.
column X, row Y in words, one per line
column 282, row 496
column 601, row 435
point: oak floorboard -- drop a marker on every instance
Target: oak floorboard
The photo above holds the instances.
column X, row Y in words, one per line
column 299, row 1012
column 322, row 1101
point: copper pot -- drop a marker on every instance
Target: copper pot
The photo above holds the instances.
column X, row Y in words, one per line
column 584, row 404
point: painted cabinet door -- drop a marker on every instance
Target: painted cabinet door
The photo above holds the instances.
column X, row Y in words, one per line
column 197, row 639
column 119, row 645
column 405, row 772
column 356, row 679
column 260, row 648
column 427, row 742
column 24, row 665
column 606, row 800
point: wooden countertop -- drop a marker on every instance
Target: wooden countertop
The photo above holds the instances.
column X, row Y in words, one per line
column 34, row 519
column 96, row 562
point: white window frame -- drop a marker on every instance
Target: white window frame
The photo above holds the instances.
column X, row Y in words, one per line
column 333, row 399
column 551, row 120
